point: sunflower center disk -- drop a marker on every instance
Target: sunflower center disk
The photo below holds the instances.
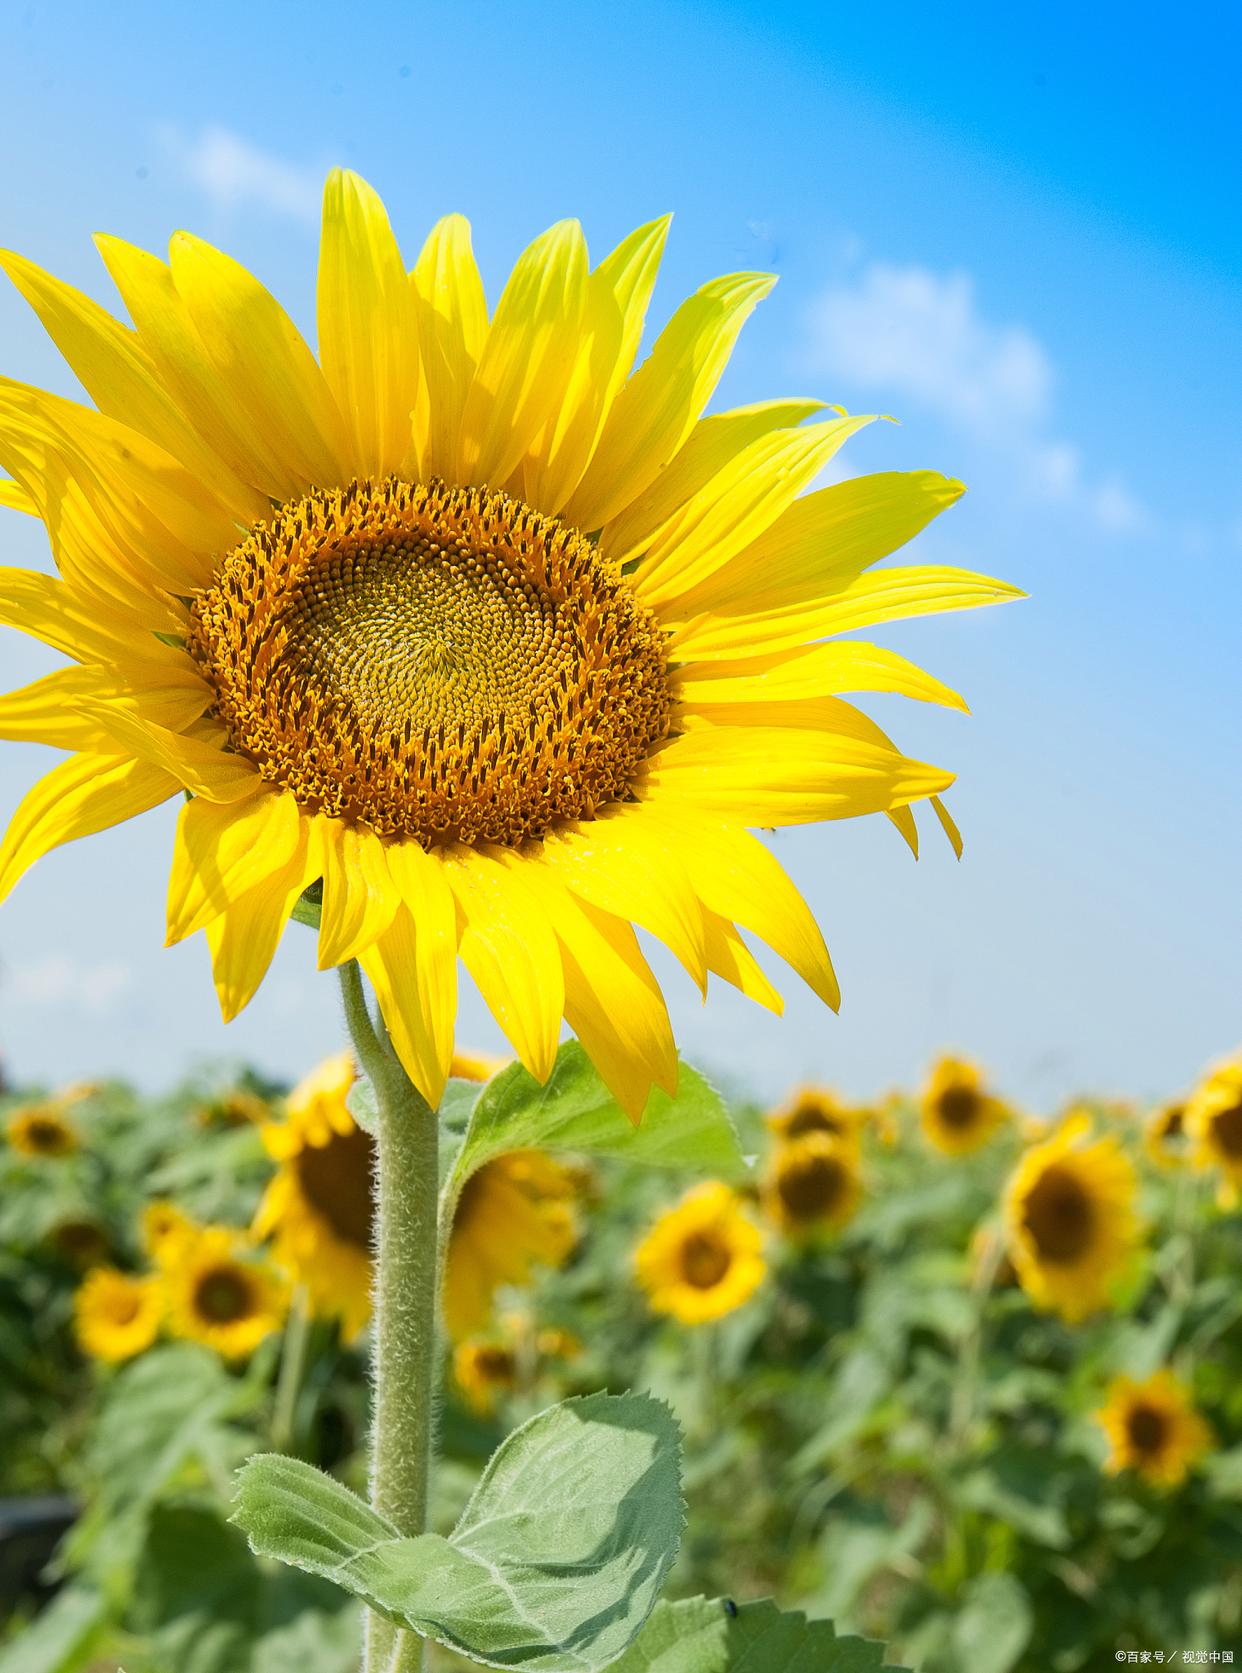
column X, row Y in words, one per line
column 435, row 663
column 1059, row 1217
column 1146, row 1428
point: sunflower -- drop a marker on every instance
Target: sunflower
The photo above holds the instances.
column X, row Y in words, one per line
column 514, row 1213
column 117, row 1315
column 234, row 1108
column 1153, row 1429
column 166, row 1231
column 1070, row 1220
column 318, row 1207
column 41, row 1130
column 813, row 1187
column 703, row 1258
column 80, row 1241
column 484, row 1370
column 1214, row 1121
column 1165, row 1138
column 467, row 621
column 957, row 1111
column 815, row 1109
column 476, row 1065
column 219, row 1294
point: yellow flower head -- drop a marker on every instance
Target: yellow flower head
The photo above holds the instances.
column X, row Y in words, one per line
column 166, row 1231
column 477, row 1065
column 221, row 1295
column 813, row 1186
column 236, row 1108
column 41, row 1130
column 1153, row 1429
column 117, row 1315
column 493, row 636
column 1214, row 1121
column 1070, row 1220
column 703, row 1258
column 484, row 1370
column 1165, row 1138
column 814, row 1109
column 318, row 1207
column 957, row 1111
column 513, row 1214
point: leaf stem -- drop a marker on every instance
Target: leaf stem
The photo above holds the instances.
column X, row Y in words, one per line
column 403, row 1354
column 294, row 1353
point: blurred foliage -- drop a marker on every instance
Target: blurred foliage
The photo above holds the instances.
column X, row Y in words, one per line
column 887, row 1433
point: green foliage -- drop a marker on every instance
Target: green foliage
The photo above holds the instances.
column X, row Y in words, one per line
column 701, row 1635
column 554, row 1565
column 574, row 1111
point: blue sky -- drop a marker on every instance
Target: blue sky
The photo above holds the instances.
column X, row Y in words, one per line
column 1017, row 232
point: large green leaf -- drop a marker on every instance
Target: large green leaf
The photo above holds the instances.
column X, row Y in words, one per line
column 558, row 1558
column 994, row 1625
column 708, row 1635
column 575, row 1111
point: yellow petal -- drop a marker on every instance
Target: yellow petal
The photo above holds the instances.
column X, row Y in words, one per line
column 948, row 825
column 733, row 509
column 120, row 378
column 529, row 353
column 627, row 865
column 198, row 763
column 713, row 442
column 15, row 498
column 403, row 967
column 47, row 609
column 222, row 850
column 85, row 794
column 618, row 293
column 742, row 881
column 508, row 946
column 423, row 1029
column 809, row 671
column 612, row 1001
column 367, row 340
column 903, row 819
column 730, row 958
column 360, row 898
column 451, row 312
column 261, row 361
column 656, row 411
column 244, row 938
column 787, row 776
column 40, row 714
column 168, row 335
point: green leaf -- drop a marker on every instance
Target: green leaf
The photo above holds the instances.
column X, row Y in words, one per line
column 63, row 1637
column 575, row 1111
column 707, row 1635
column 558, row 1558
column 994, row 1625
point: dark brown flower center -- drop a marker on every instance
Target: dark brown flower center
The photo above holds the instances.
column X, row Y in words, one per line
column 959, row 1107
column 811, row 1187
column 705, row 1258
column 336, row 1181
column 224, row 1295
column 1059, row 1216
column 1227, row 1129
column 1147, row 1429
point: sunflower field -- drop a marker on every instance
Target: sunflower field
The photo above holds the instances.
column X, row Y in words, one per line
column 956, row 1377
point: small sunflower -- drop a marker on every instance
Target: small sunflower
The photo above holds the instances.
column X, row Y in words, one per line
column 477, row 1065
column 166, row 1231
column 80, row 1241
column 219, row 1294
column 1214, row 1121
column 318, row 1209
column 703, row 1258
column 815, row 1109
column 234, row 1108
column 1165, row 1138
column 514, row 1213
column 813, row 1186
column 1153, row 1429
column 466, row 620
column 484, row 1371
column 117, row 1315
column 42, row 1130
column 1070, row 1220
column 957, row 1112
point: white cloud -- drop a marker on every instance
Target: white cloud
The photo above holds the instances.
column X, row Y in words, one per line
column 234, row 174
column 922, row 336
column 66, row 984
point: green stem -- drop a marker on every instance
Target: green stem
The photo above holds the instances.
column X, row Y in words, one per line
column 293, row 1356
column 405, row 1288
